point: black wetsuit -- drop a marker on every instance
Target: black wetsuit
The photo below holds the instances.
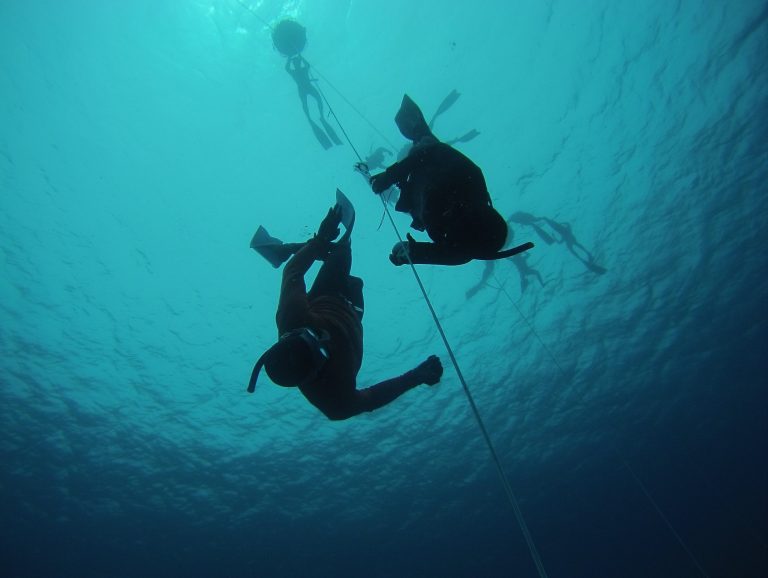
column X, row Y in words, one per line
column 446, row 195
column 334, row 304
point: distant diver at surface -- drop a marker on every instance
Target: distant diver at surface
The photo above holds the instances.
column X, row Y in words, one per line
column 446, row 195
column 524, row 270
column 376, row 158
column 320, row 345
column 290, row 37
column 559, row 233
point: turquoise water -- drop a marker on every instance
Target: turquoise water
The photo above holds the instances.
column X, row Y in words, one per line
column 141, row 143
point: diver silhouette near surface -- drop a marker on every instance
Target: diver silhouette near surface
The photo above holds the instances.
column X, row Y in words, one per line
column 561, row 233
column 320, row 345
column 299, row 69
column 524, row 270
column 289, row 38
column 446, row 195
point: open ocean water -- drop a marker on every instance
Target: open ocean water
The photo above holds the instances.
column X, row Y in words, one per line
column 620, row 367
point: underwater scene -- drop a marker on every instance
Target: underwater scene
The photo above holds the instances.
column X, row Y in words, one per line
column 496, row 272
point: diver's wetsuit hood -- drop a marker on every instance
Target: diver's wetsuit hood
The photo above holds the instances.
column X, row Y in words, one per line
column 296, row 359
column 410, row 120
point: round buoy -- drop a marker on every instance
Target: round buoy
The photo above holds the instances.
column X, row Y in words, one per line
column 289, row 37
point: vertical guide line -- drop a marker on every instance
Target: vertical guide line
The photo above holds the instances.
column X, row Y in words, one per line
column 504, row 479
column 635, row 477
column 661, row 514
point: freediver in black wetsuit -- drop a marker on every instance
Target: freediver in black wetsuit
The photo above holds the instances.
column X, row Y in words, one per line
column 446, row 195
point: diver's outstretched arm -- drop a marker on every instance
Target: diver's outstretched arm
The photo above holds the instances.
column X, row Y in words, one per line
column 377, row 396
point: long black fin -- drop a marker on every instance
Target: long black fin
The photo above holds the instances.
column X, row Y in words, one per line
column 509, row 252
column 447, row 103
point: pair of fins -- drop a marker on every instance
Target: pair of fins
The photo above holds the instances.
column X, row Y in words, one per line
column 276, row 252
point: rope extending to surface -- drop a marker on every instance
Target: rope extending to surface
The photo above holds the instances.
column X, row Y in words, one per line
column 504, row 479
column 502, row 474
column 478, row 418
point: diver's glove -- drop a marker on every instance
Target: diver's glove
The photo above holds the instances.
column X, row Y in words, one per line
column 329, row 228
column 326, row 233
column 381, row 182
column 402, row 251
column 429, row 371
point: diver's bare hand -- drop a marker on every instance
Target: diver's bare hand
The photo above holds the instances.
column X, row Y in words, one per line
column 429, row 371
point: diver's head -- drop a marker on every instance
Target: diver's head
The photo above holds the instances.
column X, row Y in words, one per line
column 296, row 359
column 410, row 120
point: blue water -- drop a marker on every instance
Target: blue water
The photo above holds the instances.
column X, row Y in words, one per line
column 142, row 142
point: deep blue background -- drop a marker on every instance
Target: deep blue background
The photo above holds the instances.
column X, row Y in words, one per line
column 142, row 142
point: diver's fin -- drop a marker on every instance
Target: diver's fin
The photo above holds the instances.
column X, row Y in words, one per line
column 269, row 247
column 262, row 238
column 331, row 133
column 509, row 252
column 447, row 103
column 465, row 137
column 320, row 135
column 347, row 214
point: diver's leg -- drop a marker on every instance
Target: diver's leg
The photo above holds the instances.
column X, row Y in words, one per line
column 487, row 272
column 354, row 295
column 333, row 276
column 319, row 134
column 321, row 112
